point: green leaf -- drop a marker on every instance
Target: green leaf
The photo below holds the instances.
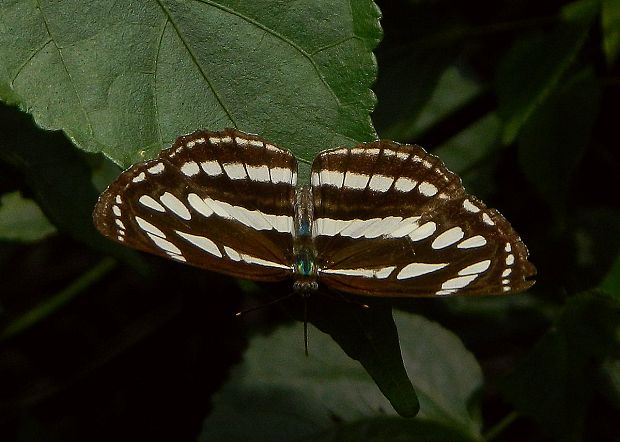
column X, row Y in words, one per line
column 454, row 89
column 611, row 282
column 595, row 243
column 445, row 375
column 369, row 336
column 127, row 78
column 610, row 23
column 278, row 394
column 533, row 68
column 554, row 139
column 554, row 382
column 22, row 220
column 467, row 149
column 417, row 73
column 60, row 180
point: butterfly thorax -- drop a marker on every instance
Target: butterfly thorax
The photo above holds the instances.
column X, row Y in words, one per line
column 303, row 245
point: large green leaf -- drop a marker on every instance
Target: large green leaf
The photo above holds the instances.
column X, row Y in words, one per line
column 21, row 219
column 533, row 68
column 610, row 20
column 554, row 382
column 278, row 394
column 369, row 336
column 127, row 78
column 611, row 282
column 59, row 178
column 554, row 139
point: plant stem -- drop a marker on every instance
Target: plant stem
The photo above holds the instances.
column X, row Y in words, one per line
column 498, row 428
column 51, row 305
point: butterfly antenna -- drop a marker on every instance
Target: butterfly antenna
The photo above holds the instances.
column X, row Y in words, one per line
column 267, row 304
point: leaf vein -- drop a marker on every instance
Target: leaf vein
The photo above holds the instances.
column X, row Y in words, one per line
column 281, row 37
column 65, row 68
column 195, row 61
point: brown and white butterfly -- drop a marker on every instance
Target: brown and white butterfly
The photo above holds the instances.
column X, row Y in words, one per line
column 379, row 219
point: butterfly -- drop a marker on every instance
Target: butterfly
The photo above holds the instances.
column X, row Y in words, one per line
column 378, row 219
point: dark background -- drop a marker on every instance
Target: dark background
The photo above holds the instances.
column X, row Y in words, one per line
column 143, row 347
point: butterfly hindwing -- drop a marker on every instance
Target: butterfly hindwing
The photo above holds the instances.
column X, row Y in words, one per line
column 223, row 201
column 391, row 220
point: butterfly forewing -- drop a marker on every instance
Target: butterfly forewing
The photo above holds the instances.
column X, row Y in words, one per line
column 223, row 201
column 391, row 220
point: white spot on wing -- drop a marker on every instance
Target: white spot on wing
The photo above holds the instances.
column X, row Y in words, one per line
column 235, row 171
column 202, row 242
column 176, row 205
column 262, row 262
column 357, row 227
column 232, row 254
column 258, row 173
column 474, row 241
column 211, row 168
column 383, row 227
column 459, row 282
column 149, row 202
column 356, row 180
column 149, row 228
column 156, row 169
column 476, row 268
column 405, row 227
column 199, row 205
column 470, row 207
column 508, row 247
column 164, row 244
column 404, row 184
column 423, row 232
column 448, row 238
column 328, row 226
column 315, row 179
column 487, row 219
column 281, row 175
column 140, row 177
column 118, row 199
column 510, row 260
column 120, row 224
column 380, row 183
column 331, row 178
column 190, row 168
column 419, row 268
column 506, row 272
column 427, row 189
column 241, row 141
column 380, row 273
column 116, row 210
column 445, row 292
column 251, row 218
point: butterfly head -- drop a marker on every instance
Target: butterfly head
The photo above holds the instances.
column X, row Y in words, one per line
column 305, row 270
